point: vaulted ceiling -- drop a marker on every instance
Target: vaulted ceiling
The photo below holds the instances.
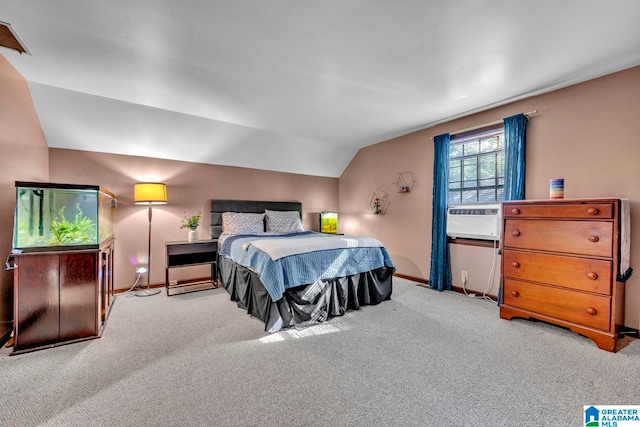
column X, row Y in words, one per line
column 297, row 86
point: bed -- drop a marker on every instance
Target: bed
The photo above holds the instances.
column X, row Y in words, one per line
column 289, row 277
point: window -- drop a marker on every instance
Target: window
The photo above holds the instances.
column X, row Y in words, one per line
column 476, row 166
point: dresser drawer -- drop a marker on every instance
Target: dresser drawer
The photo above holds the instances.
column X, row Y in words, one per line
column 577, row 307
column 560, row 210
column 573, row 237
column 584, row 274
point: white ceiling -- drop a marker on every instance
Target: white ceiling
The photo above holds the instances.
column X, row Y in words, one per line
column 297, row 85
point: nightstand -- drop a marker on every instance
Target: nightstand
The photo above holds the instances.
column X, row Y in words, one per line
column 187, row 254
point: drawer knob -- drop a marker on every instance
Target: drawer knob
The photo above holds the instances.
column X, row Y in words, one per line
column 592, row 311
column 592, row 211
column 515, row 233
column 515, row 211
column 591, row 275
column 515, row 264
column 515, row 293
column 593, row 238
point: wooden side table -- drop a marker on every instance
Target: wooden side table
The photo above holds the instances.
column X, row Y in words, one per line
column 186, row 254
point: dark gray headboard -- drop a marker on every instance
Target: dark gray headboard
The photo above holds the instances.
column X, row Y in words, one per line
column 219, row 206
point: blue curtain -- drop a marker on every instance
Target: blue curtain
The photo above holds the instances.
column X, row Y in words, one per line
column 514, row 161
column 440, row 273
column 514, row 156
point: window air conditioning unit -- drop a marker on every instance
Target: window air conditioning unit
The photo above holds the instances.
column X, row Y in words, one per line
column 474, row 221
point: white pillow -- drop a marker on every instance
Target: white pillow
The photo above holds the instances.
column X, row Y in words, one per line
column 242, row 223
column 283, row 221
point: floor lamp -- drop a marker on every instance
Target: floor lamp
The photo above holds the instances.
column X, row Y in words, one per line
column 149, row 193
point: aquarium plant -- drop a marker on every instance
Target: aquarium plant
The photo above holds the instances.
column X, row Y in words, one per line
column 65, row 232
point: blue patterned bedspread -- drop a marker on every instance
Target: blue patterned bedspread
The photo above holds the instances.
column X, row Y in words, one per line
column 300, row 269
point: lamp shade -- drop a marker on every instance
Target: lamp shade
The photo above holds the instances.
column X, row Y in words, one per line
column 154, row 193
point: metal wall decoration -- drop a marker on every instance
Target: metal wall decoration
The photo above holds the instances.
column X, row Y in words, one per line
column 379, row 202
column 405, row 182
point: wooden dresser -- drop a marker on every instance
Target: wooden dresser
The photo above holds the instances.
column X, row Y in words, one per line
column 560, row 260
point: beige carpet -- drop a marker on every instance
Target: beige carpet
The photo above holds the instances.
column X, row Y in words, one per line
column 422, row 358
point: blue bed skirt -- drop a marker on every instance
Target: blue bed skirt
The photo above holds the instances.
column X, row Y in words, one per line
column 307, row 304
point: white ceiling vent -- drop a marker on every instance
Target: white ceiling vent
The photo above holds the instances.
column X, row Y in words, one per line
column 10, row 39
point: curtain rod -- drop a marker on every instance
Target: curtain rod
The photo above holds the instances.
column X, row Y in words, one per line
column 530, row 113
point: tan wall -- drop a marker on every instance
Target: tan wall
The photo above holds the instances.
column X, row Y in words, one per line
column 24, row 157
column 189, row 187
column 586, row 134
column 482, row 267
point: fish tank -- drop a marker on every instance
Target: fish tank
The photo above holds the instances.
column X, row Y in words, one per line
column 61, row 216
column 329, row 222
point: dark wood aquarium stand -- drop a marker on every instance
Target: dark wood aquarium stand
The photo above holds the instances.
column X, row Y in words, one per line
column 61, row 297
column 187, row 254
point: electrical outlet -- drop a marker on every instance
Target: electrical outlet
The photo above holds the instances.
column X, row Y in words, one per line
column 464, row 277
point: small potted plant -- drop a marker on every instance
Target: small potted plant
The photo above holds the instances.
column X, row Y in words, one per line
column 376, row 206
column 191, row 222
